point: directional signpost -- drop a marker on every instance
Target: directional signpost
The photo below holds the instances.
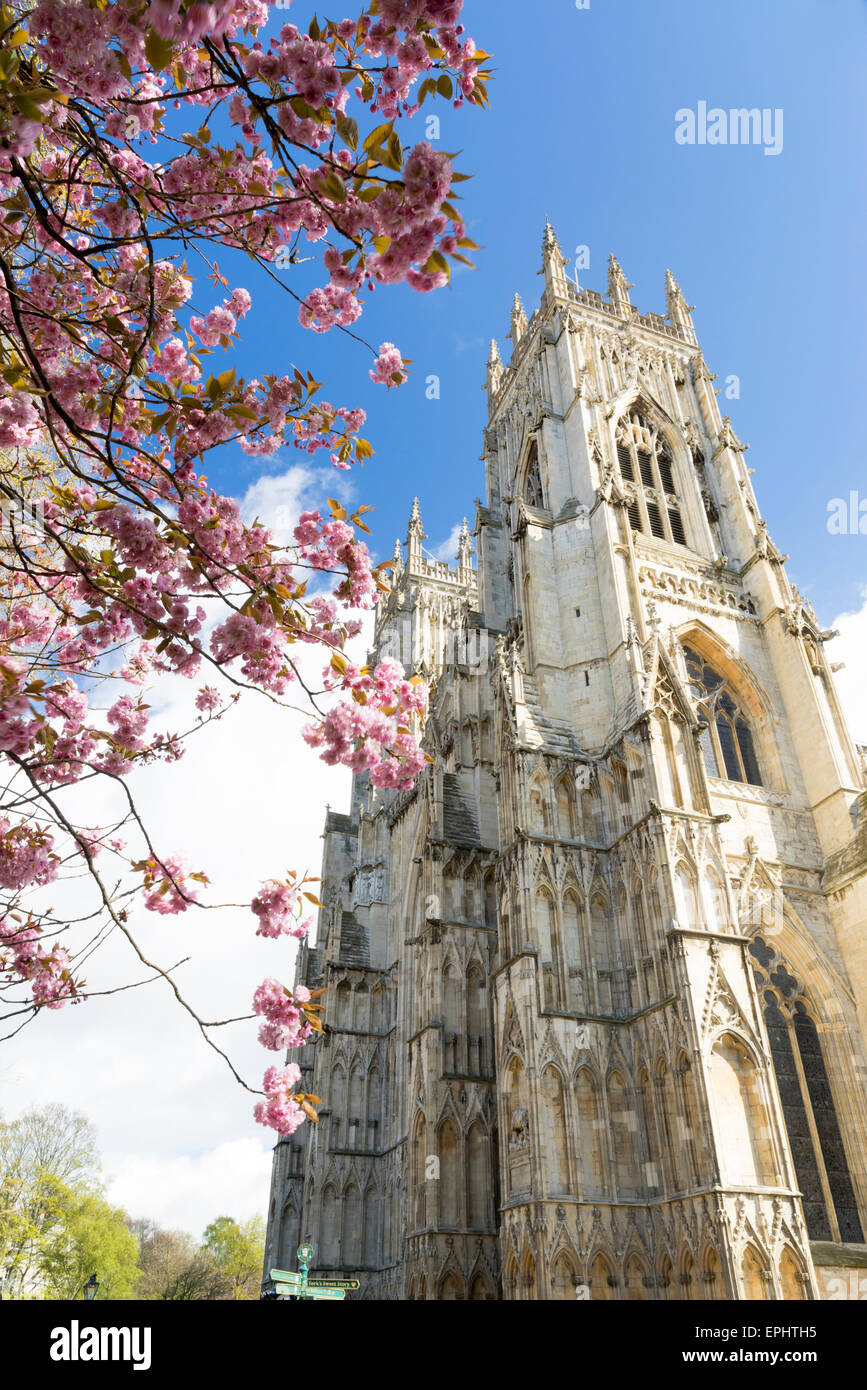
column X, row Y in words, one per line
column 291, row 1285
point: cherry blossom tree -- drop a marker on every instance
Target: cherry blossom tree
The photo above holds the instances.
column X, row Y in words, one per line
column 121, row 565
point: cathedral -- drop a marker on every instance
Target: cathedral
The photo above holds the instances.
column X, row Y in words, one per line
column 596, row 987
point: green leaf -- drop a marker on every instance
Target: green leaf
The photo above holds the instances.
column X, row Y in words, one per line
column 444, row 85
column 334, row 187
column 377, row 136
column 158, row 51
column 347, row 129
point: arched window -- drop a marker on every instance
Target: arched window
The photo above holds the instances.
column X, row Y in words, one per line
column 565, row 794
column 647, row 469
column 712, row 1276
column 533, row 494
column 351, row 1244
column 792, row 1276
column 478, row 1178
column 563, row 1278
column 554, row 1131
column 636, row 1280
column 727, row 743
column 477, row 1021
column 419, row 1172
column 449, row 1183
column 821, row 1167
column 539, row 808
column 576, row 995
column 480, row 1289
column 338, row 1106
column 742, row 1117
column 622, row 1118
column 602, row 1281
column 653, row 1166
column 589, row 1135
column 753, row 1275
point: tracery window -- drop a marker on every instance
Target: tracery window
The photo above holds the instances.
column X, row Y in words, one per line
column 533, row 494
column 647, row 469
column 821, row 1168
column 727, row 743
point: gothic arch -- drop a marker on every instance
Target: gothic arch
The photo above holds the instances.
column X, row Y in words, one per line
column 481, row 1288
column 564, row 1277
column 712, row 1275
column 589, row 1117
column 623, row 1133
column 793, row 1277
column 478, row 1171
column 603, row 1284
column 754, row 1274
column 451, row 1289
column 749, row 695
column 741, row 1111
column 636, row 1278
column 810, row 1062
column 419, row 1172
column 555, row 1127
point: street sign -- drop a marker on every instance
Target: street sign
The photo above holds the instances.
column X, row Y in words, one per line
column 333, row 1284
column 285, row 1276
column 323, row 1293
column 305, row 1254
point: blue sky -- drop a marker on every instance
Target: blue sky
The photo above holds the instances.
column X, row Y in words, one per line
column 581, row 128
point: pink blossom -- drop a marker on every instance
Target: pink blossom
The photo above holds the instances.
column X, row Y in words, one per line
column 388, row 367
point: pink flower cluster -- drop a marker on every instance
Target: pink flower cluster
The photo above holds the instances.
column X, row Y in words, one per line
column 26, row 856
column 280, row 1110
column 370, row 733
column 277, row 905
column 285, row 1025
column 331, row 545
column 49, row 972
column 388, row 367
column 167, row 889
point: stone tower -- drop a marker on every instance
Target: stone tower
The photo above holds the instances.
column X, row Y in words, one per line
column 596, row 987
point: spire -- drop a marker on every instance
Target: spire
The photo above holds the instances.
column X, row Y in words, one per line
column 465, row 550
column 518, row 322
column 618, row 286
column 415, row 536
column 397, row 558
column 679, row 312
column 495, row 371
column 553, row 264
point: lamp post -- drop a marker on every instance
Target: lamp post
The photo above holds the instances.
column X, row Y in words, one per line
column 91, row 1287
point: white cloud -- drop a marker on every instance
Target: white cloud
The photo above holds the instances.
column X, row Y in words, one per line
column 851, row 648
column 189, row 1191
column 448, row 550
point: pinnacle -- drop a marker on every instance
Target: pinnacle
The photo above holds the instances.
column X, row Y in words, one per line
column 494, row 354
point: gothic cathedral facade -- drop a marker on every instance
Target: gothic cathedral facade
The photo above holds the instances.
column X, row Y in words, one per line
column 596, row 997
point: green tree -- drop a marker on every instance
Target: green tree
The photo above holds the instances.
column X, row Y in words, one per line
column 88, row 1236
column 174, row 1268
column 45, row 1148
column 239, row 1252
